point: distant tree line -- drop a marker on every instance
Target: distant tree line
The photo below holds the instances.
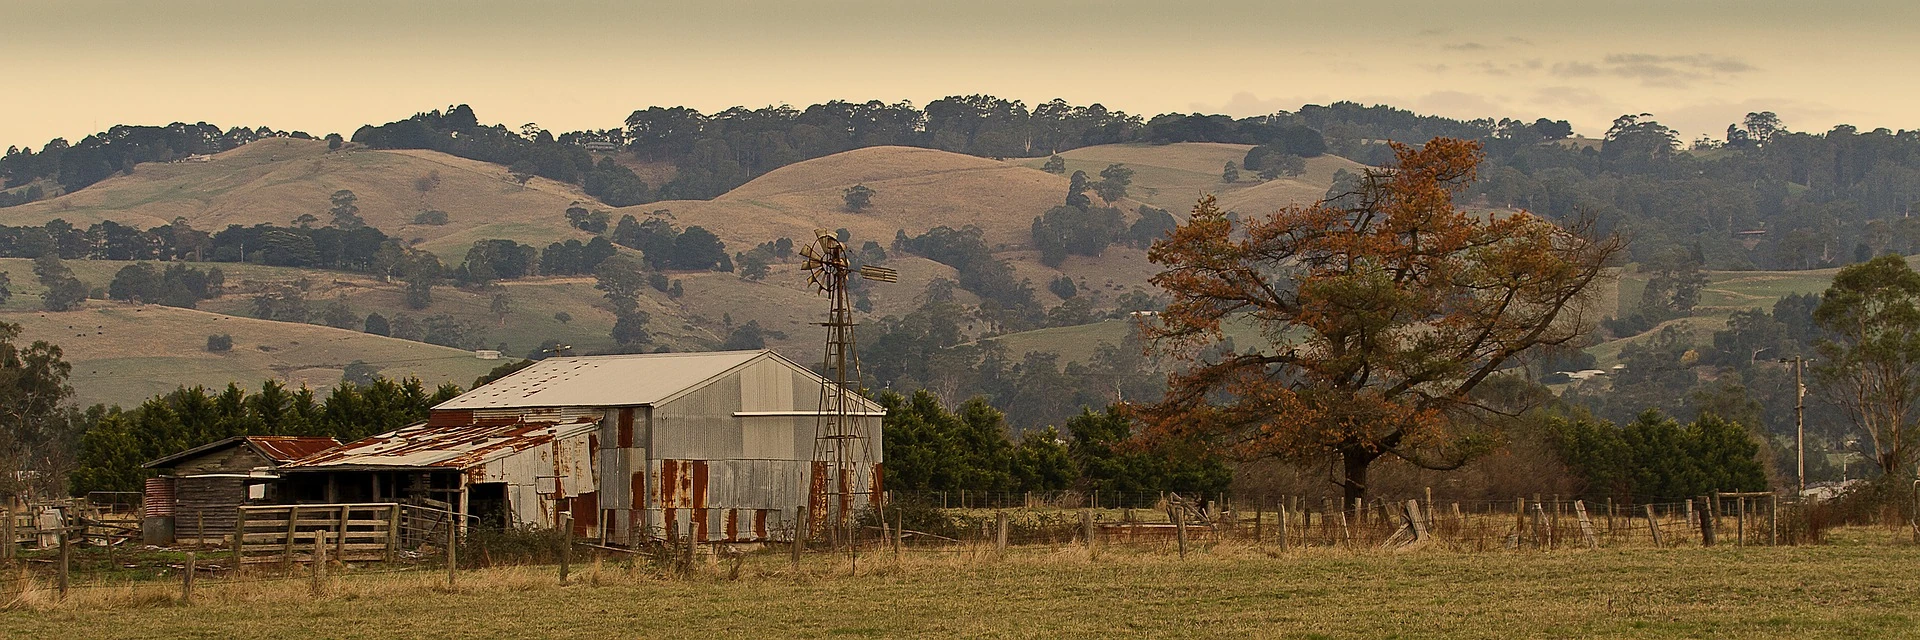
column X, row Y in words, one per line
column 930, row 447
column 119, row 441
column 1765, row 197
column 115, row 151
column 714, row 153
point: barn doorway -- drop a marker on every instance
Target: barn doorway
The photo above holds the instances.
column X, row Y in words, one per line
column 487, row 503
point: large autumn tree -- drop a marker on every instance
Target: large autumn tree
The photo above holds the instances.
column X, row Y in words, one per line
column 1381, row 311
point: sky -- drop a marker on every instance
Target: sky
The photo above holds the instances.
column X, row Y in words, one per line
column 79, row 66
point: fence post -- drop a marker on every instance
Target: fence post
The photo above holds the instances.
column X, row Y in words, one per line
column 1653, row 526
column 1000, row 540
column 566, row 545
column 1740, row 522
column 899, row 530
column 66, row 556
column 1540, row 537
column 1283, row 525
column 1345, row 535
column 1180, row 532
column 239, row 537
column 186, row 582
column 1259, row 520
column 1519, row 519
column 293, row 521
column 800, row 527
column 393, row 532
column 319, row 562
column 453, row 540
column 1706, row 522
column 6, row 532
column 1773, row 520
column 1086, row 529
column 1416, row 521
column 1586, row 525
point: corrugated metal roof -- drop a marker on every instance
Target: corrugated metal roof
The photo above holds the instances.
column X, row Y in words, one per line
column 279, row 449
column 290, row 448
column 603, row 381
column 452, row 447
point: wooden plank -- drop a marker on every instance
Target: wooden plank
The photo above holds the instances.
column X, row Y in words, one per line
column 1586, row 525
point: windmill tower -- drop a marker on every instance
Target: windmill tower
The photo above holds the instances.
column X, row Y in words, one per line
column 843, row 476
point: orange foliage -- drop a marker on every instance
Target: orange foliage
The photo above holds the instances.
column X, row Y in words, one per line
column 1383, row 315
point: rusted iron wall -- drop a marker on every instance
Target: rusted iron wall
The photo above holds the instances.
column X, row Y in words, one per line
column 695, row 466
column 570, row 458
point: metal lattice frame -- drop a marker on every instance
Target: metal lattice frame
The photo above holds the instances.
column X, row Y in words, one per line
column 843, row 470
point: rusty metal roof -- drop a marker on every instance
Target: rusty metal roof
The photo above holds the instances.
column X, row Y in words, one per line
column 290, row 448
column 449, row 447
column 278, row 449
column 606, row 381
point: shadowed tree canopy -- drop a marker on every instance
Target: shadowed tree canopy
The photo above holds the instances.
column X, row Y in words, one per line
column 1380, row 317
column 1869, row 365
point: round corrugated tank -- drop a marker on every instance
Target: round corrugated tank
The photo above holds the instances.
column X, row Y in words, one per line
column 157, row 500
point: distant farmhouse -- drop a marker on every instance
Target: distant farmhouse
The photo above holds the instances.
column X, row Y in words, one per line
column 719, row 446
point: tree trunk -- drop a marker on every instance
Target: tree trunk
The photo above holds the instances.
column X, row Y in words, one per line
column 1356, row 462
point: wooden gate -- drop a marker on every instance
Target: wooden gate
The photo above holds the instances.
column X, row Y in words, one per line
column 286, row 533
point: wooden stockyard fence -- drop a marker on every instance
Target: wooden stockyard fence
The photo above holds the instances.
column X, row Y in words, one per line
column 381, row 532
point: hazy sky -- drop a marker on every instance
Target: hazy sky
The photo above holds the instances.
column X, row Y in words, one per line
column 76, row 66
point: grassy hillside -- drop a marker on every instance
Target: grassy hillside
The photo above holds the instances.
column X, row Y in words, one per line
column 915, row 190
column 125, row 353
column 1174, row 176
column 278, row 179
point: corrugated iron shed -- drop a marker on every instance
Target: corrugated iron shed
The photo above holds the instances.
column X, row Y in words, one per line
column 447, row 447
column 603, row 381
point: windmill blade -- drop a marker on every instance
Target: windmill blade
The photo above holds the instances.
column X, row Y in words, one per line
column 879, row 274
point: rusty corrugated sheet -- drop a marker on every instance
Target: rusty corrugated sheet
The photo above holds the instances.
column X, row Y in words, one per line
column 156, row 500
column 625, row 428
column 455, row 447
column 284, row 449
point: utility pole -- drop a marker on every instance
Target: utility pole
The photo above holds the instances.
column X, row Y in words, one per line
column 1800, row 419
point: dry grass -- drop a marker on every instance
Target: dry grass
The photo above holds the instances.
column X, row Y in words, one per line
column 1230, row 590
column 915, row 190
column 125, row 353
column 279, row 179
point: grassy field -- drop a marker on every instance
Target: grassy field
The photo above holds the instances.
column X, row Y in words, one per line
column 1238, row 591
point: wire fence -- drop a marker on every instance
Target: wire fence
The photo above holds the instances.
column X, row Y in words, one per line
column 978, row 525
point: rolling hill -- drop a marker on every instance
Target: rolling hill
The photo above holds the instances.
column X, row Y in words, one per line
column 278, row 179
column 1174, row 176
column 122, row 354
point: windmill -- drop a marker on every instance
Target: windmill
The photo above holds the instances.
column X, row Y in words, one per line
column 843, row 472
